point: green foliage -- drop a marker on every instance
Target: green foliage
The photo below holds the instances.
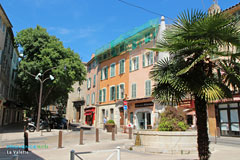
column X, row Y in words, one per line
column 172, row 119
column 41, row 52
column 110, row 121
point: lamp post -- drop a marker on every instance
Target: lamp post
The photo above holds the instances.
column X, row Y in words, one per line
column 41, row 80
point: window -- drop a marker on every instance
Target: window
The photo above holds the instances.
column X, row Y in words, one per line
column 120, row 91
column 113, row 70
column 89, row 83
column 147, row 59
column 121, row 48
column 134, row 64
column 94, row 80
column 112, row 93
column 112, row 113
column 122, row 66
column 134, row 90
column 113, row 52
column 89, row 68
column 104, row 94
column 147, row 38
column 100, row 95
column 104, row 73
column 4, row 27
column 148, row 88
column 134, row 45
column 88, row 99
column 93, row 98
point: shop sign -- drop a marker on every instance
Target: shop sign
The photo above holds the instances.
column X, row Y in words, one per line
column 145, row 104
column 125, row 103
column 125, row 107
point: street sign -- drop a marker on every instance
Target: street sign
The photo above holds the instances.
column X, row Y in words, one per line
column 124, row 103
column 125, row 107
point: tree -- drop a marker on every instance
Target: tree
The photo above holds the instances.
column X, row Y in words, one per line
column 42, row 52
column 197, row 65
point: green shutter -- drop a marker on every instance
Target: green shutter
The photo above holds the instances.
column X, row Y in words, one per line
column 90, row 82
column 106, row 72
column 133, row 90
column 123, row 66
column 151, row 57
column 122, row 95
column 114, row 93
column 101, row 74
column 100, row 95
column 146, row 88
column 143, row 60
column 137, row 62
column 130, row 65
column 104, row 95
column 117, row 91
column 94, row 80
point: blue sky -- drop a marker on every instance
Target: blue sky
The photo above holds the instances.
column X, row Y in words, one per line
column 86, row 25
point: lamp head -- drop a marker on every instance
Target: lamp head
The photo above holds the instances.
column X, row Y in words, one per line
column 51, row 77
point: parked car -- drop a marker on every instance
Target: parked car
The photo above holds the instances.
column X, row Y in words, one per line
column 59, row 123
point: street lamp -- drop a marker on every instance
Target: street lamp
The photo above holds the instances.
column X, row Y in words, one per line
column 40, row 78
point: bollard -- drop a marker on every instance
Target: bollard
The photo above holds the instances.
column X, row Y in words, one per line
column 72, row 155
column 124, row 129
column 113, row 133
column 97, row 135
column 115, row 129
column 15, row 157
column 118, row 153
column 60, row 139
column 81, row 136
column 24, row 128
column 25, row 141
column 130, row 132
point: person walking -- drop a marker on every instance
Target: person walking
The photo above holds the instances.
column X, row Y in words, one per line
column 104, row 123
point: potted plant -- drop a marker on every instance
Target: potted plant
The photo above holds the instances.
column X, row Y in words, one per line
column 110, row 125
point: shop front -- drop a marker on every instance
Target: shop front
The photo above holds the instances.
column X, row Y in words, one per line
column 89, row 115
column 141, row 113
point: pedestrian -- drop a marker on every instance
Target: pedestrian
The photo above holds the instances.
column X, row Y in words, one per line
column 104, row 123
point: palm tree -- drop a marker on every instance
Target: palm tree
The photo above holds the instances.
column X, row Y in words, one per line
column 197, row 65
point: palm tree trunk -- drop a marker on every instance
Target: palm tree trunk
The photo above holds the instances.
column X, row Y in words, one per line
column 202, row 130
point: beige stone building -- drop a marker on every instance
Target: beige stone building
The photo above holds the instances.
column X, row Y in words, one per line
column 76, row 102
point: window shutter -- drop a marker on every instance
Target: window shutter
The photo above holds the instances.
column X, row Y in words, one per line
column 146, row 88
column 117, row 91
column 94, row 80
column 143, row 60
column 100, row 95
column 123, row 66
column 106, row 73
column 151, row 57
column 130, row 65
column 90, row 82
column 114, row 93
column 137, row 62
column 104, row 95
column 102, row 74
column 135, row 90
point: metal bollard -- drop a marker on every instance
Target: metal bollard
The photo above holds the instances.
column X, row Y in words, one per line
column 60, row 139
column 25, row 141
column 81, row 137
column 115, row 129
column 72, row 155
column 97, row 135
column 113, row 133
column 130, row 132
column 15, row 157
column 118, row 153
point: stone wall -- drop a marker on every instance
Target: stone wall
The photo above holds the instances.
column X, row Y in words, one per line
column 168, row 142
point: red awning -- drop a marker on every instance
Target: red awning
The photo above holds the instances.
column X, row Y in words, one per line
column 88, row 113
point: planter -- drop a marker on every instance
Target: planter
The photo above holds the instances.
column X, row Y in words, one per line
column 175, row 142
column 109, row 127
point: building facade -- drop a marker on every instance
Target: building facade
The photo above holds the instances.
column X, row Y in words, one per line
column 10, row 111
column 76, row 102
column 90, row 109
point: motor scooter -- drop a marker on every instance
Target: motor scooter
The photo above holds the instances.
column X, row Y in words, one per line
column 43, row 125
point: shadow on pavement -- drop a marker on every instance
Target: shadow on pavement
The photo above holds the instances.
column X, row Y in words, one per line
column 17, row 127
column 7, row 154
